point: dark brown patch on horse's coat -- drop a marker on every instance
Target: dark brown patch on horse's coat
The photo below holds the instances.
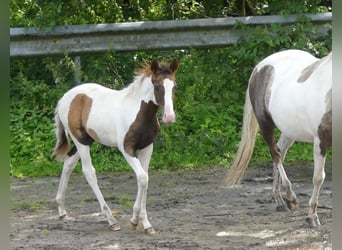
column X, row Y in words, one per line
column 63, row 144
column 143, row 130
column 307, row 72
column 259, row 93
column 159, row 92
column 325, row 127
column 92, row 134
column 72, row 151
column 78, row 118
column 259, row 90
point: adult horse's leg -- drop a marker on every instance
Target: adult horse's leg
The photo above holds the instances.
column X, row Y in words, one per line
column 267, row 130
column 142, row 181
column 318, row 179
column 70, row 163
column 278, row 152
column 90, row 175
column 279, row 176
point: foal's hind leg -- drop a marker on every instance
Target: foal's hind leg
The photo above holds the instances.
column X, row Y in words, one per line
column 318, row 179
column 90, row 175
column 68, row 166
column 284, row 143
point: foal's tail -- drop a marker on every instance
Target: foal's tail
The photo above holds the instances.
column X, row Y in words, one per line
column 62, row 143
column 249, row 131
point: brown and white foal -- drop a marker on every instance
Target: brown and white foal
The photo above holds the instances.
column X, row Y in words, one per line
column 126, row 119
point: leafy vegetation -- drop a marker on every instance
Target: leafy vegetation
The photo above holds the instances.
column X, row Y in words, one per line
column 211, row 82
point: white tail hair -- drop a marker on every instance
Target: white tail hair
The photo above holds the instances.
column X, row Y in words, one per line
column 250, row 128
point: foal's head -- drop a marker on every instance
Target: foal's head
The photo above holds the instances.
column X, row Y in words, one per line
column 163, row 79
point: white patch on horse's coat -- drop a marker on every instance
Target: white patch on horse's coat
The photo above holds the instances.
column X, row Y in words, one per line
column 168, row 113
column 292, row 98
column 328, row 100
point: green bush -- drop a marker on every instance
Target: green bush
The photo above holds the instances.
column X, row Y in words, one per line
column 209, row 99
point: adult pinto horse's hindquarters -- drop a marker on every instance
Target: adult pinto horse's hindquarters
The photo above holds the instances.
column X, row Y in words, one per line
column 291, row 91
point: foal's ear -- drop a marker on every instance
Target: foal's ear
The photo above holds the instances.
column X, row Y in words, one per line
column 174, row 65
column 155, row 66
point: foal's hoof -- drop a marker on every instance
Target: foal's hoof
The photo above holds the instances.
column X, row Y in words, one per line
column 292, row 205
column 115, row 227
column 282, row 208
column 65, row 217
column 133, row 225
column 150, row 231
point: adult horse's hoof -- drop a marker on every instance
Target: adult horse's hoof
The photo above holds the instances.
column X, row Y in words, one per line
column 313, row 223
column 150, row 231
column 115, row 227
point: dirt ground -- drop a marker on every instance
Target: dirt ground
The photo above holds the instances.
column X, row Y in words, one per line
column 189, row 209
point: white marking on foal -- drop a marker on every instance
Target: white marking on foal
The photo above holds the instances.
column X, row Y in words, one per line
column 168, row 113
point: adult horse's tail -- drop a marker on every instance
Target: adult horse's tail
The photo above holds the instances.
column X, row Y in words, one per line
column 62, row 143
column 250, row 128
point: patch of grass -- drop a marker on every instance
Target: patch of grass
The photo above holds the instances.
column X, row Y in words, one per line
column 30, row 206
column 125, row 202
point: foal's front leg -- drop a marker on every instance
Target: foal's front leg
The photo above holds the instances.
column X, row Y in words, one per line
column 139, row 208
column 144, row 157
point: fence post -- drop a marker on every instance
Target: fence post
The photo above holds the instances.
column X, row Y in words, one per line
column 77, row 70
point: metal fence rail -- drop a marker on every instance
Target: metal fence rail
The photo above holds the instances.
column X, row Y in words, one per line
column 140, row 36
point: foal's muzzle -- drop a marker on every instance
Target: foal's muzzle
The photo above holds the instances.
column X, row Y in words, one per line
column 169, row 115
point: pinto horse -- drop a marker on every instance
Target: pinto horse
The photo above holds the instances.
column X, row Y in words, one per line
column 125, row 119
column 291, row 91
